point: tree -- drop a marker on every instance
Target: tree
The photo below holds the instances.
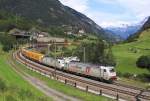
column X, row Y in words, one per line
column 95, row 52
column 108, row 59
column 56, row 31
column 143, row 62
column 7, row 41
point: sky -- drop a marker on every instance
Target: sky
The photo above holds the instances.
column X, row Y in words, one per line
column 112, row 12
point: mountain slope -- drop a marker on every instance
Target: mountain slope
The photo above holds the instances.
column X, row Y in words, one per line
column 127, row 54
column 146, row 25
column 114, row 38
column 50, row 13
column 135, row 36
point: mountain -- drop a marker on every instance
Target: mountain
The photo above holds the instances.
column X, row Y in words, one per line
column 146, row 26
column 124, row 31
column 113, row 36
column 49, row 13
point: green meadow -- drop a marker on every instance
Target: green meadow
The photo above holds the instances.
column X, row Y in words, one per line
column 127, row 54
column 13, row 87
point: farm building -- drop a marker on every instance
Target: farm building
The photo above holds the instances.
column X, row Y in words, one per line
column 44, row 41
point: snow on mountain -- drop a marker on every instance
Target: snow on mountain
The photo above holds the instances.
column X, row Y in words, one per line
column 125, row 30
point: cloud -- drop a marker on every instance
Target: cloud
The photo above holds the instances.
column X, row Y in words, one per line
column 107, row 1
column 132, row 10
column 139, row 7
column 108, row 19
column 79, row 5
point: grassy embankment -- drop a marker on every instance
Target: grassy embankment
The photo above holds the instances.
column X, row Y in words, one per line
column 13, row 87
column 128, row 53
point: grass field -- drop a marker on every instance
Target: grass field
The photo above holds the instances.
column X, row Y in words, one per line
column 127, row 54
column 13, row 87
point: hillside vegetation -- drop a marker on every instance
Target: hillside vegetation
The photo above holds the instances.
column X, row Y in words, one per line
column 127, row 54
column 48, row 16
column 50, row 13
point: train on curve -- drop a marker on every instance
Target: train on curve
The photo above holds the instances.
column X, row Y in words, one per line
column 96, row 71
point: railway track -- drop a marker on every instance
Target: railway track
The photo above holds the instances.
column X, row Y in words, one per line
column 128, row 86
column 117, row 90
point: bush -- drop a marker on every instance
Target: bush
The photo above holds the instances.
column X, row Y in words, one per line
column 3, row 86
column 143, row 62
column 42, row 99
column 119, row 74
column 128, row 75
column 7, row 41
column 23, row 94
column 143, row 77
column 10, row 98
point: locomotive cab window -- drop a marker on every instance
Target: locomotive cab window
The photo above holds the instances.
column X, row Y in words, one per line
column 112, row 70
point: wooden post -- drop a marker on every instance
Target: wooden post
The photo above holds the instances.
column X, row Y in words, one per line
column 117, row 97
column 100, row 92
column 87, row 88
column 65, row 81
column 75, row 84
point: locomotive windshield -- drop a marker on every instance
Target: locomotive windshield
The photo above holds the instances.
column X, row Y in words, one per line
column 112, row 70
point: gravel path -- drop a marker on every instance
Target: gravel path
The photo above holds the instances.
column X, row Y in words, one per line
column 55, row 95
column 52, row 93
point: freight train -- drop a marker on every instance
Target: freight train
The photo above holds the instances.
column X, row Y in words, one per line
column 106, row 73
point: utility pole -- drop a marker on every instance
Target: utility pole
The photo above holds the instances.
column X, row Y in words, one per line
column 84, row 54
column 16, row 18
column 31, row 41
column 48, row 49
column 14, row 47
column 55, row 56
column 17, row 46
